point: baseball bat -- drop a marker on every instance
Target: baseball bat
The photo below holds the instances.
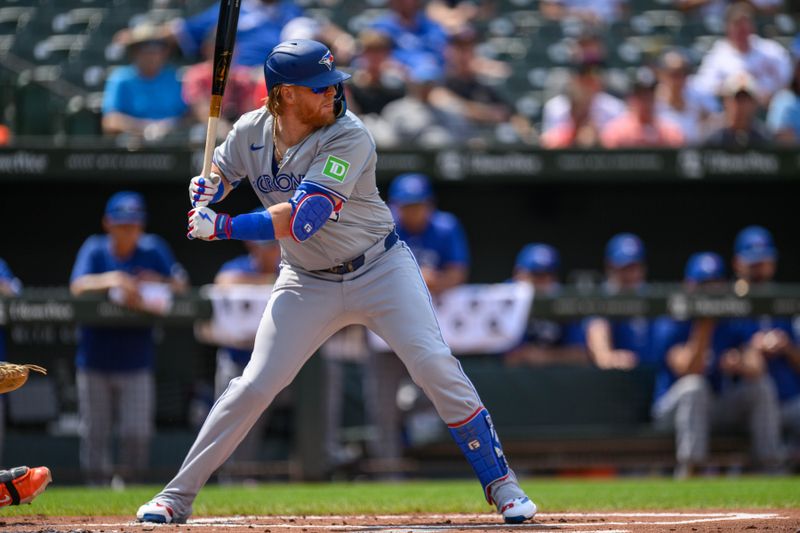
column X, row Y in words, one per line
column 223, row 53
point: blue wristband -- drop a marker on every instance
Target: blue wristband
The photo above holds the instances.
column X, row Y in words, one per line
column 253, row 227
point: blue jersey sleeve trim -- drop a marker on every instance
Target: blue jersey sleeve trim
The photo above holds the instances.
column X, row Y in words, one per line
column 313, row 186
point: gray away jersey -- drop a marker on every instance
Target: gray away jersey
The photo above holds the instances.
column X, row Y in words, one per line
column 340, row 158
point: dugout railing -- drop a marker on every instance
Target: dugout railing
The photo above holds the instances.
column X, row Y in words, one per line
column 552, row 419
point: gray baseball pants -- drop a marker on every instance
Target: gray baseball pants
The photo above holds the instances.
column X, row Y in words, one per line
column 106, row 397
column 691, row 409
column 387, row 295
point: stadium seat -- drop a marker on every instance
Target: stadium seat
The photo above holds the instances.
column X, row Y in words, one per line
column 79, row 20
column 59, row 48
column 12, row 18
column 81, row 118
column 36, row 106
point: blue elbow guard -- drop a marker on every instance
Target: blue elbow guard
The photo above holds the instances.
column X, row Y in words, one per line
column 309, row 213
column 479, row 444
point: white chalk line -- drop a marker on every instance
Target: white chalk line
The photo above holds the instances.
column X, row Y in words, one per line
column 286, row 522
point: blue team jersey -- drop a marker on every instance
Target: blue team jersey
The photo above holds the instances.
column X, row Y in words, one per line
column 441, row 244
column 257, row 33
column 245, row 265
column 424, row 43
column 667, row 332
column 120, row 349
column 7, row 277
column 786, row 378
column 632, row 334
column 129, row 93
column 550, row 334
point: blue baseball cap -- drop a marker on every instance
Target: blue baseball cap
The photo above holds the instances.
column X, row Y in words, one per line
column 538, row 258
column 624, row 249
column 126, row 207
column 410, row 189
column 704, row 266
column 754, row 244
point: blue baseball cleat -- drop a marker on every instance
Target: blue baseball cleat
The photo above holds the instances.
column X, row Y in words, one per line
column 518, row 510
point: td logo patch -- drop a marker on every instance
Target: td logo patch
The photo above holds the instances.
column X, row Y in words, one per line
column 336, row 168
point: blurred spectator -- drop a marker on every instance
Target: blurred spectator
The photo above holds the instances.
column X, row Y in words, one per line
column 239, row 92
column 464, row 94
column 258, row 31
column 679, row 101
column 590, row 11
column 129, row 105
column 414, row 121
column 741, row 128
column 715, row 9
column 602, row 107
column 440, row 247
column 640, row 127
column 454, row 14
column 10, row 287
column 773, row 339
column 767, row 61
column 698, row 386
column 783, row 119
column 341, row 43
column 377, row 78
column 579, row 131
column 115, row 365
column 546, row 342
column 417, row 39
column 589, row 47
column 621, row 344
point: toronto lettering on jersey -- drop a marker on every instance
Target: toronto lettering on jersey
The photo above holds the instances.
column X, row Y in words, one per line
column 280, row 183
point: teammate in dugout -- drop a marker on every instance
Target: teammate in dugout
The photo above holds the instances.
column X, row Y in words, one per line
column 773, row 339
column 312, row 164
column 706, row 380
column 116, row 365
column 621, row 343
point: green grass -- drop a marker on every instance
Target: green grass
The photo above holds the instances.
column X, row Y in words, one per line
column 552, row 495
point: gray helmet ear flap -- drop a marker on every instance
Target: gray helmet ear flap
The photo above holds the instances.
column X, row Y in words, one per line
column 339, row 101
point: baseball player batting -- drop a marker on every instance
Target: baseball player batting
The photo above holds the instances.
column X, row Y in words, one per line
column 312, row 165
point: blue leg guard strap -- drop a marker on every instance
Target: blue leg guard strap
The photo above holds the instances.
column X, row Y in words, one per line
column 479, row 443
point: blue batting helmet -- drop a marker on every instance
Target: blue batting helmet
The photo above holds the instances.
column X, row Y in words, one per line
column 307, row 63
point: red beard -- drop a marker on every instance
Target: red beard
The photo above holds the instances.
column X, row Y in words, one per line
column 315, row 117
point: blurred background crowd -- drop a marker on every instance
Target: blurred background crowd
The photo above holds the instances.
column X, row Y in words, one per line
column 549, row 73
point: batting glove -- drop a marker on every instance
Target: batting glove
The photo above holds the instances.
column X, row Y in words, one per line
column 203, row 192
column 207, row 225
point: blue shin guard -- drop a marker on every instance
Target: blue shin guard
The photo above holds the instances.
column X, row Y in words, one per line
column 479, row 443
